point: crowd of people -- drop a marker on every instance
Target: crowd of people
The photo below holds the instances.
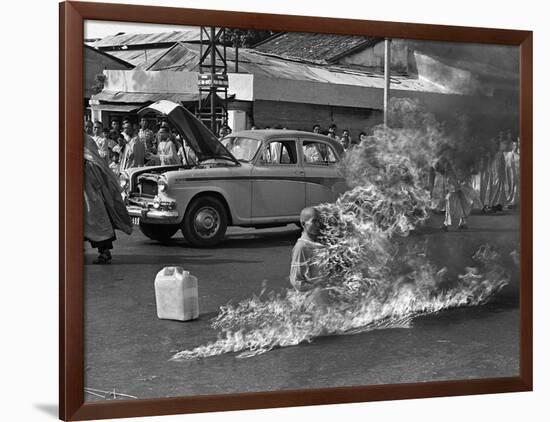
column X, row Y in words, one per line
column 491, row 186
column 125, row 144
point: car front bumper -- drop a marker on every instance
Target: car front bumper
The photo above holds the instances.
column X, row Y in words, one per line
column 148, row 214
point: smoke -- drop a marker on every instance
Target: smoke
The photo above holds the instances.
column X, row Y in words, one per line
column 375, row 274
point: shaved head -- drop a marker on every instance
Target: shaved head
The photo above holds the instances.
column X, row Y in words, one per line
column 310, row 220
column 308, row 214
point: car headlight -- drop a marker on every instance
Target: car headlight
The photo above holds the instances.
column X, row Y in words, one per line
column 162, row 184
column 124, row 181
column 156, row 203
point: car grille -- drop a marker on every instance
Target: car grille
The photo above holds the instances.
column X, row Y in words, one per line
column 148, row 187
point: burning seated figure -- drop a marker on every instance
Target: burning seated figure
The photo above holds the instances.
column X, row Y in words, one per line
column 304, row 272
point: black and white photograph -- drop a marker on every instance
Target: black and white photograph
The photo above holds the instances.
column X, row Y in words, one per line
column 269, row 211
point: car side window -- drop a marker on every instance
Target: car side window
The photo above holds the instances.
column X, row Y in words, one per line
column 318, row 153
column 279, row 153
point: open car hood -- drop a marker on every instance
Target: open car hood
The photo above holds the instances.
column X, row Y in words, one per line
column 201, row 140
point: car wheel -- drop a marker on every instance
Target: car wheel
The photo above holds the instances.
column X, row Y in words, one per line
column 160, row 232
column 205, row 222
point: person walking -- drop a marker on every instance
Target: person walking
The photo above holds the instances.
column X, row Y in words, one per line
column 104, row 209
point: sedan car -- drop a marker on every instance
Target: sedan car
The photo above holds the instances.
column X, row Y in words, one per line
column 253, row 178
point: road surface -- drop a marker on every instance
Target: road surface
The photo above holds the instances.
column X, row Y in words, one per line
column 127, row 348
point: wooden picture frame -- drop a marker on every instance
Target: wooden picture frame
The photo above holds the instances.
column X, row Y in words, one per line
column 71, row 312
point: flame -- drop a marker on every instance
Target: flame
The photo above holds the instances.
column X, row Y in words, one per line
column 372, row 281
column 261, row 323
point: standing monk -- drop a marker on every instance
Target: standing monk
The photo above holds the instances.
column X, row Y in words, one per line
column 512, row 173
column 167, row 150
column 497, row 180
column 133, row 154
column 104, row 210
column 459, row 197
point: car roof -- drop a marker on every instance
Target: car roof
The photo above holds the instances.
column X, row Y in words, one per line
column 266, row 134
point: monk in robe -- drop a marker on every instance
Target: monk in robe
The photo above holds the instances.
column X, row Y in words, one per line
column 512, row 174
column 438, row 189
column 305, row 275
column 104, row 209
column 474, row 182
column 166, row 148
column 497, row 180
column 459, row 198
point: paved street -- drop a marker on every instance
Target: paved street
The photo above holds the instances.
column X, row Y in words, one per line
column 128, row 347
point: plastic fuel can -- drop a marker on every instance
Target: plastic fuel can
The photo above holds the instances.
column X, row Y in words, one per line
column 176, row 293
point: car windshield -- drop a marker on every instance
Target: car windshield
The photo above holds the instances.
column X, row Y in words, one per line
column 243, row 149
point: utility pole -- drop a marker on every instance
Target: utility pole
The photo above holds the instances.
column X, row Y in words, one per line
column 236, row 41
column 212, row 79
column 387, row 77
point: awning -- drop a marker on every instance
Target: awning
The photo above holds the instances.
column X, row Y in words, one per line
column 125, row 108
column 144, row 97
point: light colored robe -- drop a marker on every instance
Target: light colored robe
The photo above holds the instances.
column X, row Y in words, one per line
column 497, row 181
column 304, row 273
column 167, row 153
column 459, row 199
column 133, row 154
column 512, row 178
column 438, row 192
column 484, row 177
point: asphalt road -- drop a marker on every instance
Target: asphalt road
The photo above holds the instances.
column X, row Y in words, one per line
column 127, row 348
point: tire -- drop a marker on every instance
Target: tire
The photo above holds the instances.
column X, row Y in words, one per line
column 160, row 232
column 205, row 222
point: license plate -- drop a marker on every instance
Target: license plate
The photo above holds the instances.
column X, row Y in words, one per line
column 135, row 221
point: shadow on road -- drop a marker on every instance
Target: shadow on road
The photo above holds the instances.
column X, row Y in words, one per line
column 263, row 240
column 170, row 260
column 244, row 240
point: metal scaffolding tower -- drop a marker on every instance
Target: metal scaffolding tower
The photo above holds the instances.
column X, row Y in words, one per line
column 213, row 81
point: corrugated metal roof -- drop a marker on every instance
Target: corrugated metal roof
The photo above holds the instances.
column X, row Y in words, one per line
column 185, row 57
column 113, row 57
column 140, row 58
column 317, row 48
column 143, row 97
column 125, row 108
column 192, row 34
column 175, row 58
